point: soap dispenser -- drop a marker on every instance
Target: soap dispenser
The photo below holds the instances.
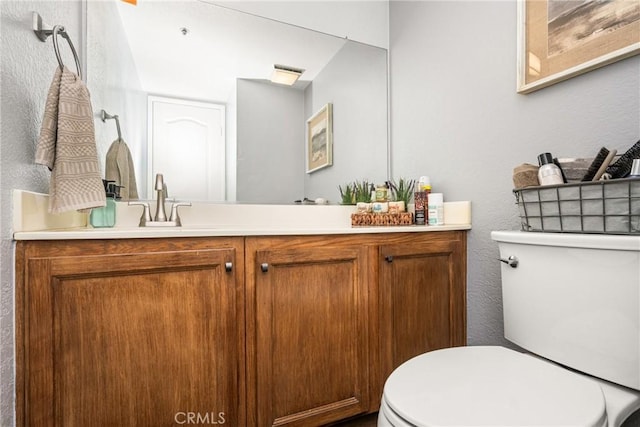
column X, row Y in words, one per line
column 106, row 215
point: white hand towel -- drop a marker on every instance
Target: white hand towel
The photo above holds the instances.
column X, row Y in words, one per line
column 67, row 146
column 119, row 168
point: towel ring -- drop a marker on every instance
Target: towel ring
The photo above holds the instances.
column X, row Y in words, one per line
column 59, row 29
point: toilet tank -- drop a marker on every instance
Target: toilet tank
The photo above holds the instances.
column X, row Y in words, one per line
column 575, row 299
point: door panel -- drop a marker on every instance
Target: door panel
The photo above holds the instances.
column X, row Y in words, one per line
column 187, row 145
column 131, row 340
column 312, row 336
column 422, row 299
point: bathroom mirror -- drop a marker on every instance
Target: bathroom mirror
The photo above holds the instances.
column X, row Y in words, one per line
column 200, row 52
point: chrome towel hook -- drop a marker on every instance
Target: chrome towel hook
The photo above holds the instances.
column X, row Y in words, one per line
column 104, row 116
column 43, row 34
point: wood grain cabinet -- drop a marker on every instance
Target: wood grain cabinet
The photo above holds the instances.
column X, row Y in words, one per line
column 422, row 296
column 239, row 331
column 130, row 333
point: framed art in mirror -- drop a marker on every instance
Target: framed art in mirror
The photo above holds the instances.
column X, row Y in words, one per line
column 319, row 147
column 559, row 39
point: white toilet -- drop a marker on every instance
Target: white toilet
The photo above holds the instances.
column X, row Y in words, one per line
column 573, row 302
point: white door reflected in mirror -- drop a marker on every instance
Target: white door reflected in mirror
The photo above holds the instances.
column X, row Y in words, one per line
column 187, row 146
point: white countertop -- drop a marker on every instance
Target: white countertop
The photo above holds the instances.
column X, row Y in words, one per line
column 32, row 222
column 151, row 232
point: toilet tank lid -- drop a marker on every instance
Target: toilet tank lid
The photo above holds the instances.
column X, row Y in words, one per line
column 575, row 240
column 491, row 386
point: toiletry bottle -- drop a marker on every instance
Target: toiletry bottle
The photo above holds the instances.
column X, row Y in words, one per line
column 635, row 169
column 420, row 198
column 436, row 209
column 106, row 215
column 548, row 173
column 424, row 184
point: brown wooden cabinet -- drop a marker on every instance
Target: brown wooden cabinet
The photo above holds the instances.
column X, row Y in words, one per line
column 246, row 331
column 422, row 296
column 130, row 333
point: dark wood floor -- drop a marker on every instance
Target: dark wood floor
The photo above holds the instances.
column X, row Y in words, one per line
column 370, row 420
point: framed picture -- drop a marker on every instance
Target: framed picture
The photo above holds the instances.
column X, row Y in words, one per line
column 320, row 139
column 559, row 39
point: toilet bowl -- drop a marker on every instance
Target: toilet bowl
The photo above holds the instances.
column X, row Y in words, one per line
column 579, row 326
column 496, row 386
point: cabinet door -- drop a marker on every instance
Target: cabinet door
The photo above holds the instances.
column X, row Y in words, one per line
column 422, row 296
column 311, row 363
column 135, row 339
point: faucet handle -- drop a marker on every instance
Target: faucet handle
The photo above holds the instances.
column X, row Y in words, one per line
column 146, row 212
column 174, row 212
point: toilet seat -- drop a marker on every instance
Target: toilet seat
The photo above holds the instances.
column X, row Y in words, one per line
column 490, row 386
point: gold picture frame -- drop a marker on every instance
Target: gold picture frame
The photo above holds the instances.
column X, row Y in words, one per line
column 560, row 39
column 319, row 152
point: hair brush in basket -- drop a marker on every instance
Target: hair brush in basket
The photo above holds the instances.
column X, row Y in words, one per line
column 595, row 164
column 622, row 166
column 604, row 166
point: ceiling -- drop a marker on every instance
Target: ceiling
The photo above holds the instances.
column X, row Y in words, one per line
column 217, row 46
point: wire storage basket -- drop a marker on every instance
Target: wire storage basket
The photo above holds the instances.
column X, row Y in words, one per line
column 601, row 207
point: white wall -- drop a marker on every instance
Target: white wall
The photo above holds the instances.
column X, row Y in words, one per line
column 271, row 120
column 355, row 79
column 113, row 81
column 339, row 18
column 456, row 116
column 231, row 148
column 270, row 131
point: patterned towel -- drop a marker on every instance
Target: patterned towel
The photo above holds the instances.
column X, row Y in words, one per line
column 67, row 146
column 119, row 168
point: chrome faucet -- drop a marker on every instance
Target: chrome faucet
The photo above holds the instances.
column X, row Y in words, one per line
column 160, row 218
column 161, row 191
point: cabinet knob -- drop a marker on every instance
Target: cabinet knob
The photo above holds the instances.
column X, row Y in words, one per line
column 228, row 266
column 264, row 267
column 388, row 258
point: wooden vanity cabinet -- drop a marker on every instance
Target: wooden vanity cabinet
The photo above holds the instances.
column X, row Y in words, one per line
column 243, row 331
column 130, row 332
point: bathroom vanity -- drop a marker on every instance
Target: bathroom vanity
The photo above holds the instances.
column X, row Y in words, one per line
column 234, row 327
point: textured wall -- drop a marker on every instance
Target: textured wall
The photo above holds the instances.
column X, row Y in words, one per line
column 456, row 116
column 27, row 69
